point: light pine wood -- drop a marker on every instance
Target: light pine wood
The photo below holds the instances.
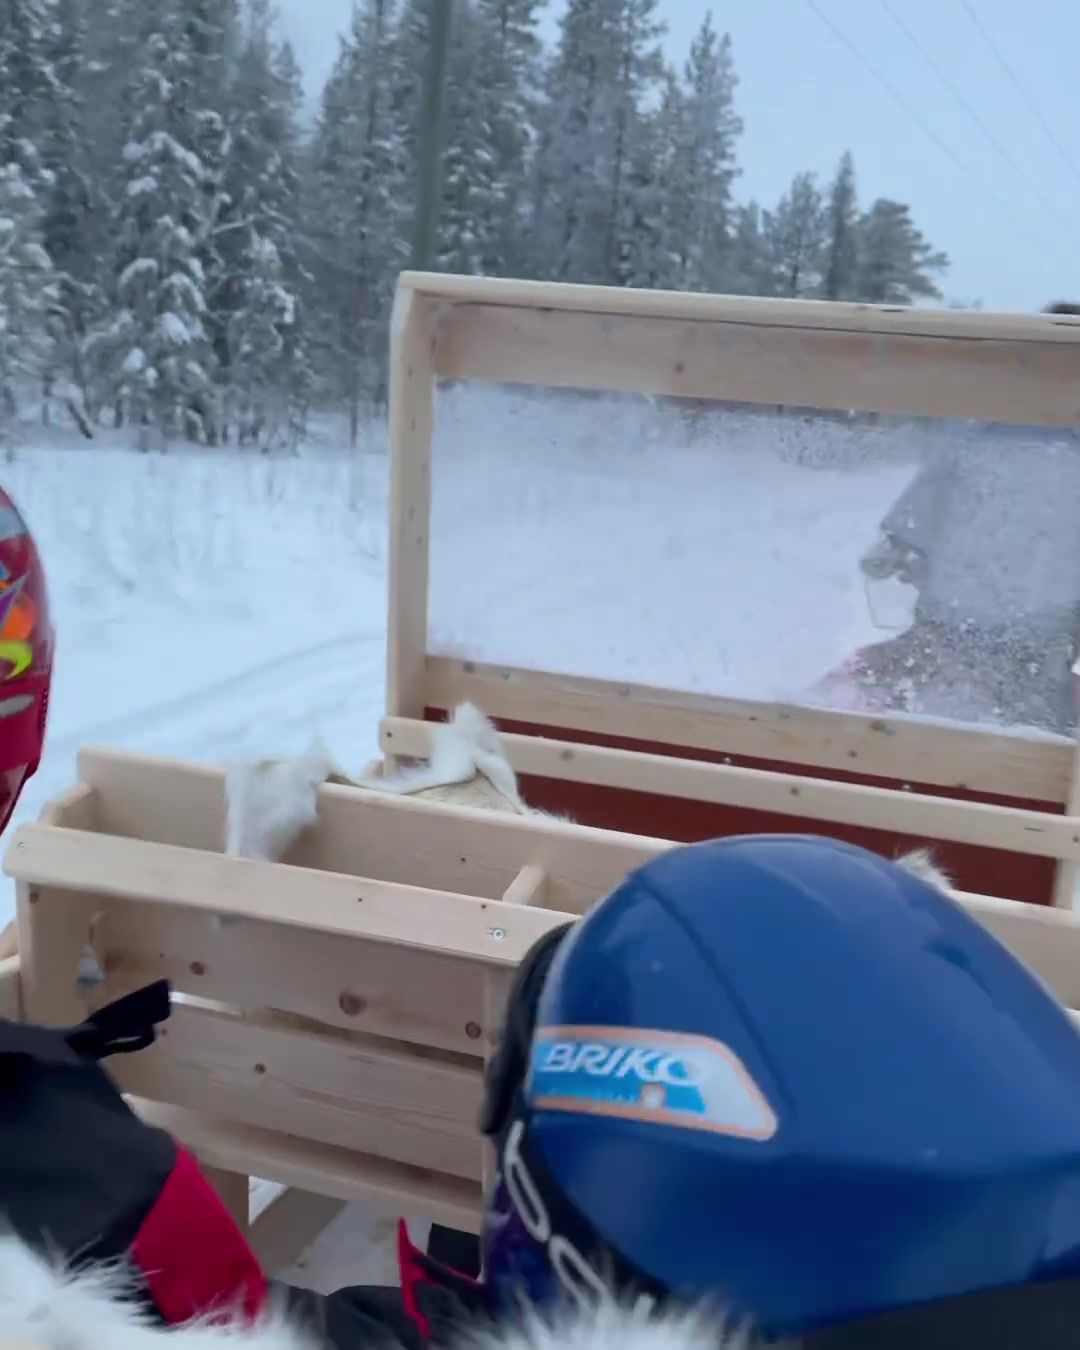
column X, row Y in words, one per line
column 1034, row 768
column 10, row 989
column 321, row 1168
column 289, row 1224
column 402, row 1106
column 825, row 314
column 371, row 834
column 1037, row 833
column 529, row 887
column 412, row 387
column 234, row 1192
column 988, row 377
column 413, row 996
column 54, row 926
column 76, row 808
column 1067, row 874
column 296, row 897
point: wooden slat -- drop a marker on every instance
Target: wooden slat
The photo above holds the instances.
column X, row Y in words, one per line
column 990, row 378
column 1036, row 833
column 393, row 1188
column 403, row 1107
column 378, row 989
column 399, row 839
column 412, row 392
column 846, row 317
column 233, row 1190
column 1036, row 768
column 288, row 1226
column 10, row 989
column 89, row 865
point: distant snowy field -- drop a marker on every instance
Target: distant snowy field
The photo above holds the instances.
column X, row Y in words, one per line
column 207, row 605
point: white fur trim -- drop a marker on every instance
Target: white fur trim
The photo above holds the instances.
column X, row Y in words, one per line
column 920, row 863
column 611, row 1327
column 44, row 1306
column 269, row 802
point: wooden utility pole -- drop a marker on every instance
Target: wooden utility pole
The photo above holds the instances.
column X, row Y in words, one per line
column 429, row 141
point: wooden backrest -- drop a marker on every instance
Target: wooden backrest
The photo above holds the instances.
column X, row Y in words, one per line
column 817, row 355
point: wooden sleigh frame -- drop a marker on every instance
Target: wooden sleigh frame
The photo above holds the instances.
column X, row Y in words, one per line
column 636, row 755
column 334, row 1011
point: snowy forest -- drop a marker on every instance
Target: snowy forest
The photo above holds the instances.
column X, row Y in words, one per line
column 189, row 249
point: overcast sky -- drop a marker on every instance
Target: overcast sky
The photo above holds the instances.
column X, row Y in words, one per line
column 1007, row 216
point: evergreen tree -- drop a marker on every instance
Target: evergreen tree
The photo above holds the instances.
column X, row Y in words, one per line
column 262, row 351
column 68, row 223
column 897, row 265
column 842, row 228
column 493, row 89
column 594, row 88
column 748, row 269
column 794, row 240
column 158, row 346
column 360, row 207
column 27, row 287
column 706, row 129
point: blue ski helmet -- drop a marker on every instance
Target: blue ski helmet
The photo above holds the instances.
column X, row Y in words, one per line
column 789, row 1078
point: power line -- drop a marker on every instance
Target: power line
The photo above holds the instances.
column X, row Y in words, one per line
column 1029, row 103
column 928, row 130
column 973, row 113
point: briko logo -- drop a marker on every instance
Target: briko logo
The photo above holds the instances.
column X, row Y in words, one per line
column 661, row 1077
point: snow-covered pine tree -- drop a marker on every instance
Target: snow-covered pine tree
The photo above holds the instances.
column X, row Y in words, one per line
column 359, row 209
column 841, row 234
column 794, row 240
column 27, row 288
column 27, row 281
column 897, row 264
column 70, row 227
column 598, row 84
column 706, row 128
column 493, row 83
column 264, row 360
column 634, row 190
column 748, row 266
column 159, row 351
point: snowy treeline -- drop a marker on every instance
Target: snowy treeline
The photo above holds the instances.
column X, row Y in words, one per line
column 184, row 252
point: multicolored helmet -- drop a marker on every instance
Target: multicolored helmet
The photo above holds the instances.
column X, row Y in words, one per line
column 26, row 656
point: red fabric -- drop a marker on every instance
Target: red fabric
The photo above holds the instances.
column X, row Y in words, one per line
column 194, row 1258
column 412, row 1273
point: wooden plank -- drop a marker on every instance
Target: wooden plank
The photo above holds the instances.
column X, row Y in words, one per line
column 10, row 989
column 378, row 989
column 403, row 1106
column 398, row 839
column 449, row 288
column 76, row 808
column 1067, row 874
column 288, row 1226
column 54, row 927
column 89, row 865
column 1035, row 768
column 990, row 378
column 1037, row 833
column 345, row 1173
column 412, row 391
column 233, row 1189
column 529, row 887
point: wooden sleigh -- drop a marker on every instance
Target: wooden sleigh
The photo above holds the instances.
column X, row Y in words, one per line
column 335, row 1009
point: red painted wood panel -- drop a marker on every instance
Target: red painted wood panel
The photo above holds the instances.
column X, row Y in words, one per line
column 986, row 871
